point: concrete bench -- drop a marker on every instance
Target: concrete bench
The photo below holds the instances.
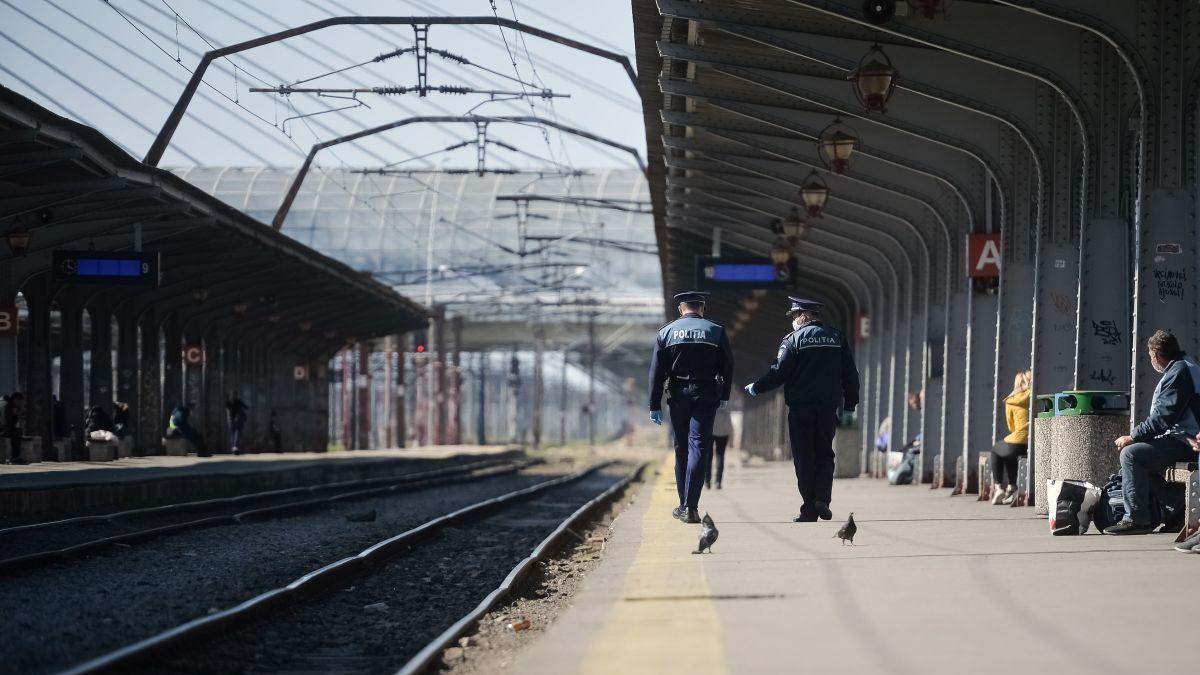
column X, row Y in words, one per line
column 101, row 451
column 178, row 447
column 31, row 449
column 1187, row 474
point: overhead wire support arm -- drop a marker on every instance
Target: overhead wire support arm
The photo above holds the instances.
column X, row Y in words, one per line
column 163, row 140
column 298, row 179
column 288, row 90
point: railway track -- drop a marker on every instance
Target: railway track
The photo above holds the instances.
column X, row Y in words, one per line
column 38, row 543
column 394, row 605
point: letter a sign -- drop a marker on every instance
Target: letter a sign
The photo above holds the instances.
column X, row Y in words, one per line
column 983, row 255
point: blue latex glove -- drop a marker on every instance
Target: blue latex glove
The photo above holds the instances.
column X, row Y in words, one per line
column 750, row 390
column 722, row 405
column 656, row 417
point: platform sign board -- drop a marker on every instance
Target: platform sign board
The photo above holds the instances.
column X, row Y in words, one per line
column 105, row 268
column 9, row 320
column 983, row 255
column 862, row 328
column 193, row 355
column 714, row 273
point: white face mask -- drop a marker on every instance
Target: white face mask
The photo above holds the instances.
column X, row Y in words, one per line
column 1158, row 365
column 796, row 323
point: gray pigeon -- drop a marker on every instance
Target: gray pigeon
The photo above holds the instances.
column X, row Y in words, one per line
column 708, row 534
column 363, row 517
column 846, row 532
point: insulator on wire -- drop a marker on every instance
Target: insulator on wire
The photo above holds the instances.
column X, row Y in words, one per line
column 391, row 90
column 449, row 89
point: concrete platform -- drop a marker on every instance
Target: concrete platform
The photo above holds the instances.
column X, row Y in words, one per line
column 69, row 488
column 935, row 584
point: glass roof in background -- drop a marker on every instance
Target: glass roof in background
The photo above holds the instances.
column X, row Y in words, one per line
column 454, row 238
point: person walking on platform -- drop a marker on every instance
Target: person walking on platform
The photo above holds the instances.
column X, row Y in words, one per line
column 722, row 429
column 693, row 363
column 235, row 410
column 12, row 409
column 815, row 366
column 1161, row 439
column 1007, row 454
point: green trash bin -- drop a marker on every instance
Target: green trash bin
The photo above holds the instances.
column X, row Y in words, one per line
column 1085, row 402
column 1045, row 406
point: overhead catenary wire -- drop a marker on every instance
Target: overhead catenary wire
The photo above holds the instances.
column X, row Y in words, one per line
column 83, row 87
column 137, row 82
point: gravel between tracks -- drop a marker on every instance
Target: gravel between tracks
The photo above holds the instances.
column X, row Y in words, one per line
column 69, row 612
column 423, row 592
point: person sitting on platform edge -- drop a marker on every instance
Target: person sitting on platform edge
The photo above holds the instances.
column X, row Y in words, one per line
column 815, row 365
column 179, row 425
column 120, row 419
column 1007, row 453
column 693, row 362
column 1161, row 439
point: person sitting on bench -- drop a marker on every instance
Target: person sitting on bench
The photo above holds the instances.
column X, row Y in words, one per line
column 1160, row 440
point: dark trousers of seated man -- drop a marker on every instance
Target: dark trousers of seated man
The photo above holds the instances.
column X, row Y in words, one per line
column 693, row 408
column 718, row 456
column 811, row 429
column 1141, row 460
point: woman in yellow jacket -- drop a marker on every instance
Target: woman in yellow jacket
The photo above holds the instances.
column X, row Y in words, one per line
column 1016, row 444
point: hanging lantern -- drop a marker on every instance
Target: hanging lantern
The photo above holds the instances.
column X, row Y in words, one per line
column 780, row 253
column 874, row 80
column 814, row 193
column 18, row 241
column 200, row 295
column 793, row 227
column 835, row 145
column 240, row 308
column 928, row 8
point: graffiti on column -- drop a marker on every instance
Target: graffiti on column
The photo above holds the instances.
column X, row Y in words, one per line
column 1107, row 331
column 1170, row 283
column 149, row 416
column 1104, row 375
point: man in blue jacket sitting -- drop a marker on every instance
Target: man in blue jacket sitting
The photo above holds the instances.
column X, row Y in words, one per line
column 1160, row 440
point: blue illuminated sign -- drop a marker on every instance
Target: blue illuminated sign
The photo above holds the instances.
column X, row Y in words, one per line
column 103, row 267
column 712, row 273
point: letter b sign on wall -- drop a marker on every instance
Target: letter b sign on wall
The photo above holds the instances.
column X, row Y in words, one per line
column 983, row 255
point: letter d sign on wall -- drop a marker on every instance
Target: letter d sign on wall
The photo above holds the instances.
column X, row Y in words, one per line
column 983, row 255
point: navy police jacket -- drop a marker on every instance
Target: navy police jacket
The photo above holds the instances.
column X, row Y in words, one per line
column 691, row 349
column 815, row 366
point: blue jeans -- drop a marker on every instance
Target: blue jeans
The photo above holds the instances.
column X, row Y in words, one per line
column 1138, row 462
column 692, row 414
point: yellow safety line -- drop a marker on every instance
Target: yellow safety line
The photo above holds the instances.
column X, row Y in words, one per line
column 678, row 634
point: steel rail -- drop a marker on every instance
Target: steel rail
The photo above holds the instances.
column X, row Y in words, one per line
column 300, row 589
column 429, row 654
column 380, row 487
column 230, row 501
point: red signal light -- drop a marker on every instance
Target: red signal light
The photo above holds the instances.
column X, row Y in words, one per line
column 420, row 348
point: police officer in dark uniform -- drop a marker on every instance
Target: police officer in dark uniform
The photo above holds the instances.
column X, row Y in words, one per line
column 816, row 368
column 693, row 362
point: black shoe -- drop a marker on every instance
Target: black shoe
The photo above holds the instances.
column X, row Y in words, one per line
column 693, row 516
column 805, row 518
column 1189, row 545
column 679, row 513
column 1129, row 527
column 19, row 460
column 823, row 511
column 718, row 486
column 708, row 486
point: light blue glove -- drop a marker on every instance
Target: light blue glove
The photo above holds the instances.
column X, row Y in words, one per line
column 722, row 405
column 750, row 390
column 656, row 417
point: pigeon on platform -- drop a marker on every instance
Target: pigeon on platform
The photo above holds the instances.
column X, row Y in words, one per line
column 708, row 534
column 846, row 532
column 363, row 517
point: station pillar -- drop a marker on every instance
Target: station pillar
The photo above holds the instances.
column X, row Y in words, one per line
column 362, row 393
column 38, row 386
column 172, row 358
column 151, row 414
column 126, row 386
column 100, row 391
column 70, row 374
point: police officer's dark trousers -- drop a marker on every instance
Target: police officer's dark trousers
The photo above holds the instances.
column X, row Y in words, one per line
column 811, row 429
column 693, row 408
